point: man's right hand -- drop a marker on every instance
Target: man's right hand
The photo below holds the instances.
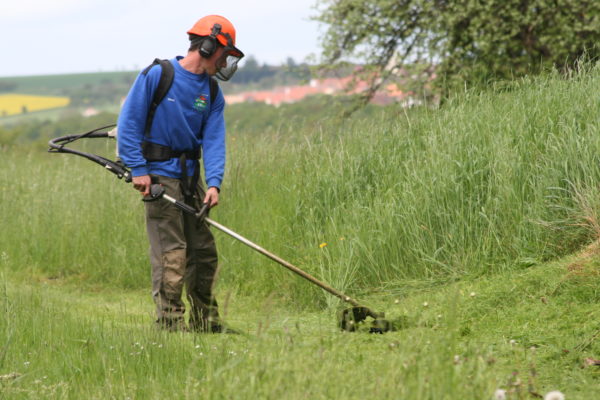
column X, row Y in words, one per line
column 142, row 183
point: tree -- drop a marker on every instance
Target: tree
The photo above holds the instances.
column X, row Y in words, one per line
column 381, row 34
column 290, row 63
column 501, row 39
column 467, row 41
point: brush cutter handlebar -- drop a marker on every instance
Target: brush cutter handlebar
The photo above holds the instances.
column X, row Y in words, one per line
column 58, row 145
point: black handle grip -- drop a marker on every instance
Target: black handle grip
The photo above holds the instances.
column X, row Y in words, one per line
column 156, row 192
column 203, row 211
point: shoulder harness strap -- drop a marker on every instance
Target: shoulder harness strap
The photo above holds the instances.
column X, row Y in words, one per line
column 164, row 84
column 214, row 89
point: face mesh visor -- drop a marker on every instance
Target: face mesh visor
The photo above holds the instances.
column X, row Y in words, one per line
column 228, row 65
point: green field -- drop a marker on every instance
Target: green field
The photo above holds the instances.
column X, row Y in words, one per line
column 474, row 226
column 63, row 83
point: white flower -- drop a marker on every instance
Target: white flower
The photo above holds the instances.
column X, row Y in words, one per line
column 425, row 304
column 473, row 294
column 500, row 394
column 554, row 395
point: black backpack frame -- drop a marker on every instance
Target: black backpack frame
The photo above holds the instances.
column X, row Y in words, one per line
column 167, row 75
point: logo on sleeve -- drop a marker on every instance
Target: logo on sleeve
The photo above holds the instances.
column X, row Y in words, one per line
column 200, row 103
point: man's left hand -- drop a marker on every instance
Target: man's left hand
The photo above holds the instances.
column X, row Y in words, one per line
column 212, row 196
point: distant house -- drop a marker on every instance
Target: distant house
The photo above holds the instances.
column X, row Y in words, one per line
column 90, row 112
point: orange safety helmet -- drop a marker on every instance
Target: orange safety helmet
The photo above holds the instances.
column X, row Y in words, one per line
column 204, row 27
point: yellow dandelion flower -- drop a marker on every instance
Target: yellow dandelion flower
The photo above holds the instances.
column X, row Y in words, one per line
column 322, row 245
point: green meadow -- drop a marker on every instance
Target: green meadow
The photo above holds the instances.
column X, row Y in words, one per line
column 473, row 225
column 62, row 84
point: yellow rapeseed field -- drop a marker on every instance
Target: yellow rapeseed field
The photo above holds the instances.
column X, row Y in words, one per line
column 11, row 104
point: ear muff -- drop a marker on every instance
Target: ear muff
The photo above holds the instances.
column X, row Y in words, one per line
column 208, row 47
column 209, row 43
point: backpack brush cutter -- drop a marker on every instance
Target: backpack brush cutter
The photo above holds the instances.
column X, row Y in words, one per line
column 348, row 318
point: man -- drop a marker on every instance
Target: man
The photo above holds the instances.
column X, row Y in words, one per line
column 164, row 149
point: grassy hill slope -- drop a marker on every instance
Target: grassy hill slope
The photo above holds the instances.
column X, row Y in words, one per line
column 455, row 221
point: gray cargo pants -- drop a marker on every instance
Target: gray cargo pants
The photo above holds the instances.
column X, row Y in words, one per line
column 182, row 252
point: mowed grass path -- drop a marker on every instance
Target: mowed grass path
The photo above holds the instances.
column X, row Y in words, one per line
column 530, row 330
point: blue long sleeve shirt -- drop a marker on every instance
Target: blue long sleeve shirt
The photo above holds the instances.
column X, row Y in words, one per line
column 185, row 120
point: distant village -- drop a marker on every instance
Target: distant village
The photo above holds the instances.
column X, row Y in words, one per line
column 288, row 94
column 329, row 86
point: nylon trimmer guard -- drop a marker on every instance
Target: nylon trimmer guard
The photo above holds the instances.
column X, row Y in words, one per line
column 350, row 318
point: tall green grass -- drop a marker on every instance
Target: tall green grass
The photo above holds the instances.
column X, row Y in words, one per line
column 479, row 185
column 488, row 182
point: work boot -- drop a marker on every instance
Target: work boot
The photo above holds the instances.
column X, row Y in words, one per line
column 206, row 326
column 172, row 324
column 224, row 329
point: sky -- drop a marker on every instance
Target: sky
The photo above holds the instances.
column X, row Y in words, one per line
column 40, row 37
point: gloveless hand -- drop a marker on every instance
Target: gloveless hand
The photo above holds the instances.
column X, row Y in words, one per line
column 212, row 196
column 142, row 183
